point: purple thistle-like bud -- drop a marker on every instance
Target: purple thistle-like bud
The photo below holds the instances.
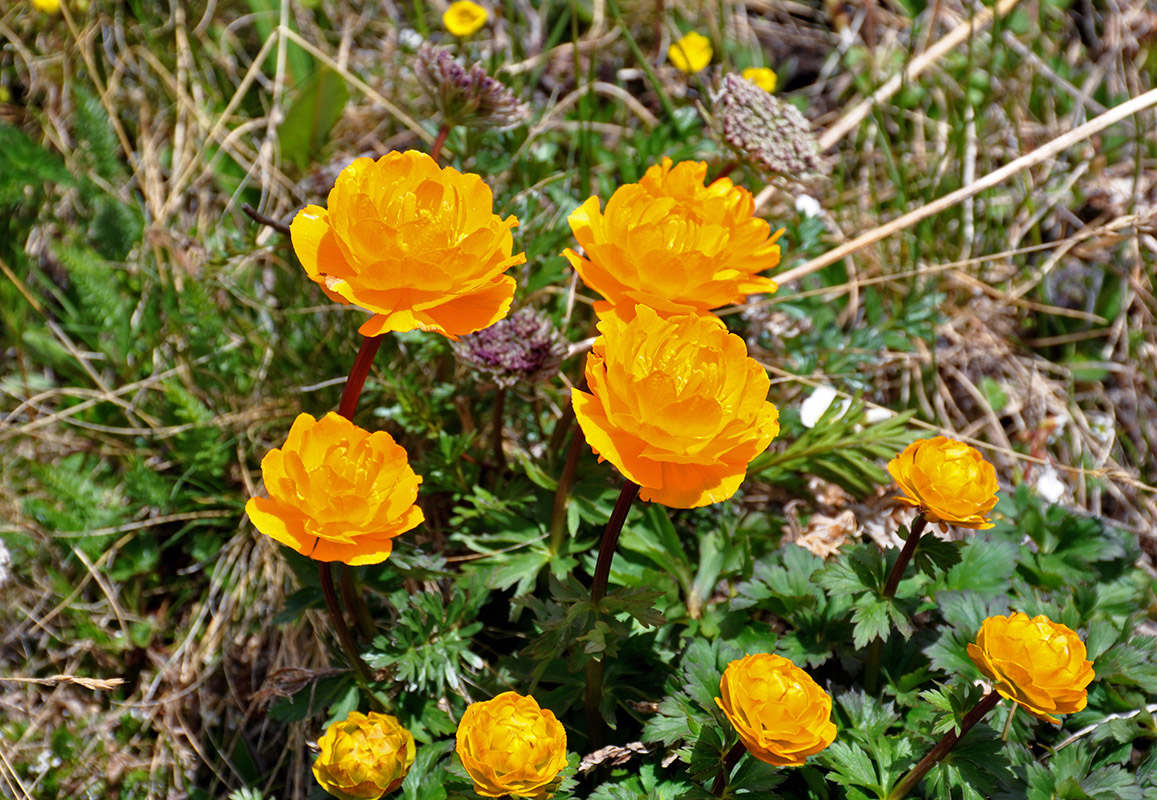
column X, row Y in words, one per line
column 523, row 347
column 765, row 131
column 467, row 95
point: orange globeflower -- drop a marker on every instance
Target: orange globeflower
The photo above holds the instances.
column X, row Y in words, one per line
column 417, row 244
column 1037, row 663
column 947, row 480
column 364, row 756
column 781, row 714
column 337, row 492
column 674, row 244
column 676, row 405
column 509, row 745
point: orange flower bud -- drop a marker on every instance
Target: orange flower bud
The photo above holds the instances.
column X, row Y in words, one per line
column 947, row 480
column 673, row 244
column 364, row 756
column 1037, row 663
column 337, row 492
column 676, row 405
column 417, row 244
column 781, row 714
column 509, row 745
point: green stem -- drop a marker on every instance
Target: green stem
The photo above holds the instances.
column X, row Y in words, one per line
column 499, row 409
column 562, row 493
column 905, row 555
column 943, row 747
column 353, row 600
column 1008, row 722
column 361, row 668
column 729, row 762
column 872, row 666
column 595, row 667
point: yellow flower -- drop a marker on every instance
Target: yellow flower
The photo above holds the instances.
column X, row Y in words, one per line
column 781, row 714
column 509, row 745
column 762, row 77
column 1037, row 663
column 947, row 480
column 417, row 244
column 47, row 6
column 691, row 53
column 464, row 18
column 337, row 492
column 364, row 756
column 676, row 405
column 674, row 244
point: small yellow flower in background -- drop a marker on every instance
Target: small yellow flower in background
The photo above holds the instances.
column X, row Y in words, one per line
column 676, row 405
column 1037, row 663
column 464, row 18
column 47, row 6
column 337, row 492
column 509, row 745
column 674, row 244
column 417, row 244
column 364, row 756
column 691, row 53
column 781, row 714
column 947, row 480
column 762, row 77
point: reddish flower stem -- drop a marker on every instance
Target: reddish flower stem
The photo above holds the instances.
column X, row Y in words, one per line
column 358, row 374
column 905, row 555
column 595, row 667
column 729, row 762
column 611, row 540
column 943, row 747
column 436, row 150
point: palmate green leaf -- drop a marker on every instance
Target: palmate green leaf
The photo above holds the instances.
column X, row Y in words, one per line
column 422, row 782
column 1132, row 663
column 987, row 562
column 864, row 716
column 935, row 555
column 645, row 784
column 753, row 777
column 850, row 765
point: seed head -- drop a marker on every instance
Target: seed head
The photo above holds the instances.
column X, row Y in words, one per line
column 466, row 95
column 765, row 131
column 522, row 348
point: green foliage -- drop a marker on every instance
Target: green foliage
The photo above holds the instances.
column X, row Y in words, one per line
column 427, row 650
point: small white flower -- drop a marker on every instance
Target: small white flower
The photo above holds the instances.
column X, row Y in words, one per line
column 874, row 414
column 808, row 205
column 1049, row 484
column 409, row 38
column 5, row 563
column 814, row 407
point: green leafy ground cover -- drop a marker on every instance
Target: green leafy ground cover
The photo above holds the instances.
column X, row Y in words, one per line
column 157, row 342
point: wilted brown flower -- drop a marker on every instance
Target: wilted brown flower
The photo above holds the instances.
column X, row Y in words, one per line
column 522, row 348
column 765, row 131
column 467, row 95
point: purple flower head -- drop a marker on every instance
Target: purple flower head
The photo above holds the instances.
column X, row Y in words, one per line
column 524, row 347
column 466, row 95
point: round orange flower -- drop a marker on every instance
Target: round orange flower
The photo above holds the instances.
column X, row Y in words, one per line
column 673, row 244
column 1037, row 663
column 364, row 756
column 337, row 492
column 417, row 244
column 947, row 480
column 676, row 405
column 509, row 745
column 781, row 714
